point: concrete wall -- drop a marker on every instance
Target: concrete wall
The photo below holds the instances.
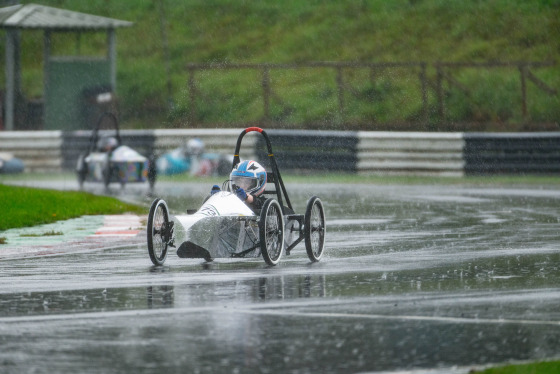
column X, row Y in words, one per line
column 387, row 153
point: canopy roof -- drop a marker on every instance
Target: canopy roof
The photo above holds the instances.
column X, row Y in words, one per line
column 33, row 16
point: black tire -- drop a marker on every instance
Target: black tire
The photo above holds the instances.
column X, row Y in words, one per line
column 152, row 171
column 224, row 166
column 271, row 232
column 107, row 172
column 160, row 231
column 81, row 170
column 314, row 229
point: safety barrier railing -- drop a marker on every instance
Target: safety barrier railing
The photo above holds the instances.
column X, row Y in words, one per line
column 367, row 152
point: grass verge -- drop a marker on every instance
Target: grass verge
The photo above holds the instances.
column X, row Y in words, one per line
column 153, row 73
column 551, row 367
column 23, row 206
column 48, row 233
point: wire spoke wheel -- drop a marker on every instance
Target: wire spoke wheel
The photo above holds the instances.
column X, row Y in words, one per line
column 314, row 229
column 271, row 232
column 159, row 231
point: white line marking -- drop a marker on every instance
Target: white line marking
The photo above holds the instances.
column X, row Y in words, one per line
column 220, row 309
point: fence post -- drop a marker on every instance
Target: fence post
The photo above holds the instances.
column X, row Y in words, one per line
column 439, row 88
column 424, row 88
column 266, row 93
column 192, row 96
column 340, row 84
column 523, row 70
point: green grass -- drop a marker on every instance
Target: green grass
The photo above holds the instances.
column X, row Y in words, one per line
column 292, row 31
column 47, row 233
column 551, row 367
column 23, row 207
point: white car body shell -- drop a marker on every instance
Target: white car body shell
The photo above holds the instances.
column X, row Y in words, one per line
column 224, row 226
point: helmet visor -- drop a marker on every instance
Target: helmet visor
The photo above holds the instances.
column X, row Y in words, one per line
column 247, row 183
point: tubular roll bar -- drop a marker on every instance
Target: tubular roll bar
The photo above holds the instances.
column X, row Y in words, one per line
column 278, row 183
column 95, row 136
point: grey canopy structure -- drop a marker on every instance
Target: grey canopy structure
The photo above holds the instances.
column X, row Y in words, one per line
column 15, row 18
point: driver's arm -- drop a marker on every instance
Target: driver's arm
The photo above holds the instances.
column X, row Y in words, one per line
column 257, row 202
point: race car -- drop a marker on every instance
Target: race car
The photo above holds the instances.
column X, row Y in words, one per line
column 225, row 227
column 107, row 160
column 192, row 158
column 10, row 164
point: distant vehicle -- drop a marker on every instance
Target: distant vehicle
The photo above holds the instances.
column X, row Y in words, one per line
column 225, row 227
column 107, row 160
column 191, row 158
column 10, row 164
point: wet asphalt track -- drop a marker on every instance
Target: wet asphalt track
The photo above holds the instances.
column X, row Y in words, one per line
column 415, row 278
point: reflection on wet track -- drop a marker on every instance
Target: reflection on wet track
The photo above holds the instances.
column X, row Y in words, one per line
column 413, row 277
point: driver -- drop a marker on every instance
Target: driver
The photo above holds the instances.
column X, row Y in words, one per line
column 248, row 180
column 107, row 144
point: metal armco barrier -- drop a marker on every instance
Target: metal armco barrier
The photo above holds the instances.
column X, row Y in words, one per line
column 512, row 153
column 410, row 153
column 215, row 140
column 364, row 152
column 40, row 151
column 312, row 150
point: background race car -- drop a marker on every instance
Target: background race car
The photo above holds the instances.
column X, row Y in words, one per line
column 10, row 164
column 192, row 158
column 107, row 160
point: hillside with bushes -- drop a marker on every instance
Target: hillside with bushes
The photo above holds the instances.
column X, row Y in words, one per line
column 155, row 88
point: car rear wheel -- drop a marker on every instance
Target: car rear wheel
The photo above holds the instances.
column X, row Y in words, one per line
column 314, row 229
column 271, row 232
column 160, row 231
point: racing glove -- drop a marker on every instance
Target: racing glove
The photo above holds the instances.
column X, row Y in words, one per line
column 215, row 188
column 241, row 194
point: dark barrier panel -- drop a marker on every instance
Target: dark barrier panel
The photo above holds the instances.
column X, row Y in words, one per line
column 512, row 153
column 312, row 150
column 73, row 144
column 76, row 142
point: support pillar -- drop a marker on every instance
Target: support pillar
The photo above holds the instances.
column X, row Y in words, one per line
column 112, row 56
column 10, row 80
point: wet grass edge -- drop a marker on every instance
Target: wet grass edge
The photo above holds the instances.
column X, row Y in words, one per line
column 545, row 367
column 351, row 178
column 26, row 206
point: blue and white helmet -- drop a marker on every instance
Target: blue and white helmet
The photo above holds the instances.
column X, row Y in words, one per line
column 250, row 176
column 195, row 147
